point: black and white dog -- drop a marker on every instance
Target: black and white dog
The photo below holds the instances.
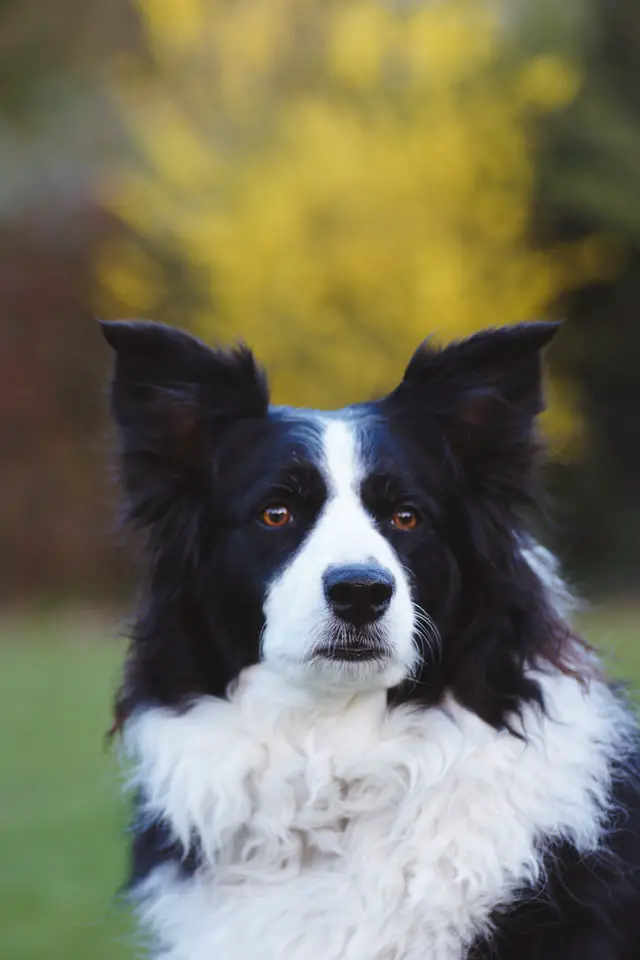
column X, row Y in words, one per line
column 360, row 726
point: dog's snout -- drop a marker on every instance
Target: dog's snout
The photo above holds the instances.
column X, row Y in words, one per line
column 358, row 593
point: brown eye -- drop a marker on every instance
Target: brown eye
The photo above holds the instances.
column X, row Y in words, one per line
column 404, row 519
column 276, row 516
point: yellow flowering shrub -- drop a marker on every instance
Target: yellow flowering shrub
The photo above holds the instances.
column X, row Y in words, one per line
column 343, row 177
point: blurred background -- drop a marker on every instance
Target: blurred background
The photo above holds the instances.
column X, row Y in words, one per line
column 331, row 180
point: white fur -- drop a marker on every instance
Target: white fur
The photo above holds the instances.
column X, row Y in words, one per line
column 332, row 827
column 297, row 616
column 546, row 567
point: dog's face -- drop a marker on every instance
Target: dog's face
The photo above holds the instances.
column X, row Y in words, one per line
column 326, row 544
column 323, row 521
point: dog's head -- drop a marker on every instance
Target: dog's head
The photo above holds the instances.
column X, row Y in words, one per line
column 339, row 547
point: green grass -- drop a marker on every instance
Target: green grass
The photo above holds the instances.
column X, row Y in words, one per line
column 616, row 634
column 62, row 824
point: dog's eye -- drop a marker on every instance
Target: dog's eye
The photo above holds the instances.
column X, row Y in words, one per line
column 405, row 519
column 276, row 515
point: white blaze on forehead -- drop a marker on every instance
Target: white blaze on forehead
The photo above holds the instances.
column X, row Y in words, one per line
column 345, row 532
column 298, row 618
column 344, row 470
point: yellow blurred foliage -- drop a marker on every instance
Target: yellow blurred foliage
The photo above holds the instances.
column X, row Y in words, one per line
column 343, row 177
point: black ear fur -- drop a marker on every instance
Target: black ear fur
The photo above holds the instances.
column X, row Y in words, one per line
column 485, row 391
column 170, row 396
column 502, row 363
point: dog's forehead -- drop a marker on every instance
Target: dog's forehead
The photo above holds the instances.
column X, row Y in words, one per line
column 358, row 435
column 344, row 446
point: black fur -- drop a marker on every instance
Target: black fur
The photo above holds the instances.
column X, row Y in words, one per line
column 153, row 845
column 587, row 906
column 202, row 453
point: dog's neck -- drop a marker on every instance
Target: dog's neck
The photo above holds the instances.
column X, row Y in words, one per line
column 351, row 811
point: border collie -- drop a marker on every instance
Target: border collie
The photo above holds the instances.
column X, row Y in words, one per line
column 358, row 722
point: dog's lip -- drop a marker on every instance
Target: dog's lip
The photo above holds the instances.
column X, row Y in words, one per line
column 352, row 653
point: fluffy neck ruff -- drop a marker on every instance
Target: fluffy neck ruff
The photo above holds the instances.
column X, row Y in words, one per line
column 344, row 829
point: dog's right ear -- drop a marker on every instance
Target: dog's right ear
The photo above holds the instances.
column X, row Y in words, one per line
column 170, row 397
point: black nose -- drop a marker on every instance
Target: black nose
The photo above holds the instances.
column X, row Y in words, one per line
column 359, row 592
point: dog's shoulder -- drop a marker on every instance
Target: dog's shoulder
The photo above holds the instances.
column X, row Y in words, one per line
column 586, row 905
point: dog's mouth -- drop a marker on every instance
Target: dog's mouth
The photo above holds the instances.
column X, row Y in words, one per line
column 352, row 653
column 348, row 644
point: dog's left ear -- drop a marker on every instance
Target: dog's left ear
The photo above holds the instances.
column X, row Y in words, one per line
column 486, row 390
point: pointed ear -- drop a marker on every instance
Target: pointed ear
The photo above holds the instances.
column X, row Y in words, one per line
column 170, row 395
column 486, row 390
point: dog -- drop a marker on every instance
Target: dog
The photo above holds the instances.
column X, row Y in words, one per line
column 358, row 722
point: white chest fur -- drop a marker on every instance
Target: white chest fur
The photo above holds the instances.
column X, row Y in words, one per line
column 341, row 830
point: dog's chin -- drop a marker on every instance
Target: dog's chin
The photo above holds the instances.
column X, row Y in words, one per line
column 354, row 659
column 353, row 675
